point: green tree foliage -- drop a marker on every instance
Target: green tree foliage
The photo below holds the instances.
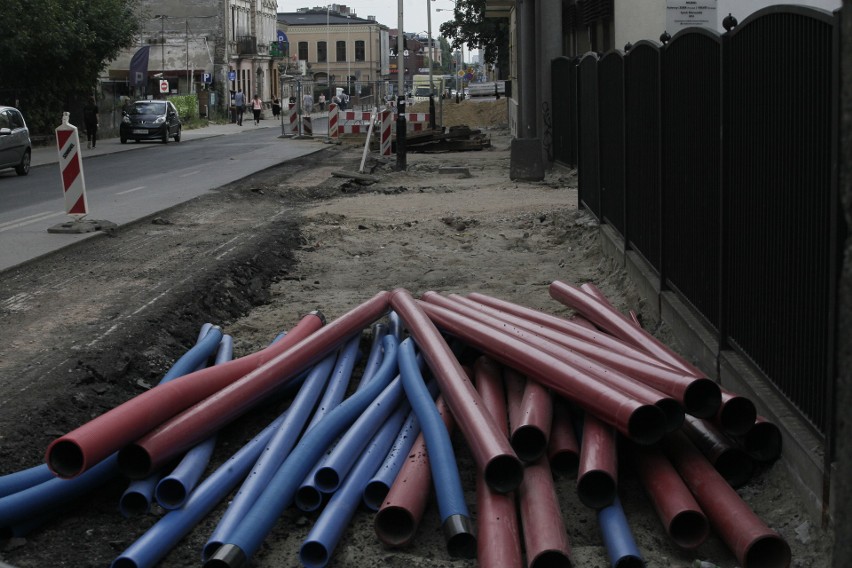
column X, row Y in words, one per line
column 52, row 52
column 471, row 27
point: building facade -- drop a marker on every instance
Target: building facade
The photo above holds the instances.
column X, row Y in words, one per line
column 331, row 48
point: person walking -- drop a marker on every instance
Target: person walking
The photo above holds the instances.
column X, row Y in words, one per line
column 91, row 120
column 307, row 104
column 256, row 107
column 322, row 102
column 276, row 107
column 240, row 103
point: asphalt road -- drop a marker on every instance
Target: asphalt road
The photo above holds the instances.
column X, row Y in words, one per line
column 128, row 182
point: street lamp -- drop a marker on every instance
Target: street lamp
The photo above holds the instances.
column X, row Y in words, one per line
column 431, row 83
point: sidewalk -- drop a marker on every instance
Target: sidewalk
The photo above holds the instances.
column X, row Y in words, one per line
column 47, row 154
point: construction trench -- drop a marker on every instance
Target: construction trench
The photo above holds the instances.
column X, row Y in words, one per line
column 591, row 441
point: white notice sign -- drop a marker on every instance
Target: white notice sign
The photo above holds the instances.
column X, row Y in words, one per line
column 689, row 13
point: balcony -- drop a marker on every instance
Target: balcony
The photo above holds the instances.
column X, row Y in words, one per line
column 246, row 45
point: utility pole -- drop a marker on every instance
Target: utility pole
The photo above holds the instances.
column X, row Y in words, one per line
column 400, row 99
column 431, row 83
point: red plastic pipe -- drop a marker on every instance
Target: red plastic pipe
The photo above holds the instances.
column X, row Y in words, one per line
column 642, row 422
column 753, row 543
column 198, row 422
column 732, row 462
column 399, row 516
column 498, row 533
column 563, row 451
column 82, row 448
column 545, row 538
column 531, row 418
column 699, row 396
column 491, row 450
column 736, row 414
column 763, row 441
column 606, row 375
column 597, row 476
column 685, row 522
column 608, row 318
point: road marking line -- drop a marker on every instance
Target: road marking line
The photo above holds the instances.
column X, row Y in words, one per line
column 23, row 221
column 192, row 173
column 130, row 190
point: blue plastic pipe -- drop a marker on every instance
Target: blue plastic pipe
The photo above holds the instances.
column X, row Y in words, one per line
column 277, row 449
column 337, row 464
column 278, row 495
column 309, row 498
column 455, row 519
column 24, row 479
column 374, row 360
column 378, row 486
column 620, row 546
column 318, row 547
column 173, row 490
column 137, row 498
column 395, row 325
column 152, row 546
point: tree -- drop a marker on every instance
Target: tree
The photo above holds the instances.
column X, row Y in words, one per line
column 52, row 51
column 471, row 27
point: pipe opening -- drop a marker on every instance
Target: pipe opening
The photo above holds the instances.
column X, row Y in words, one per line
column 504, row 473
column 673, row 413
column 313, row 553
column 551, row 559
column 65, row 459
column 134, row 462
column 458, row 532
column 629, row 561
column 6, row 533
column 770, row 551
column 134, row 504
column 209, row 549
column 529, row 443
column 171, row 493
column 565, row 461
column 374, row 493
column 327, row 479
column 227, row 556
column 596, row 489
column 308, row 498
column 689, row 529
column 737, row 416
column 646, row 425
column 763, row 442
column 702, row 398
column 395, row 526
column 735, row 466
column 122, row 562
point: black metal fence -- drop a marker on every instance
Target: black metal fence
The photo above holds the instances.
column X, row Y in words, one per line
column 715, row 158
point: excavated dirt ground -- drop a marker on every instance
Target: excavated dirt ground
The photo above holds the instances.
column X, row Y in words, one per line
column 86, row 329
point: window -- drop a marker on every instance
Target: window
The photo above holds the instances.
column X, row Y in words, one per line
column 341, row 51
column 303, row 51
column 322, row 51
column 359, row 51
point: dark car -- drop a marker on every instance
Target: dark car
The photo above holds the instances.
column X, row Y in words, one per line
column 15, row 145
column 150, row 120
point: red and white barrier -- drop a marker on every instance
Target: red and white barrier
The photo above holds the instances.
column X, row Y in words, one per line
column 385, row 132
column 333, row 121
column 417, row 121
column 71, row 168
column 290, row 120
column 307, row 126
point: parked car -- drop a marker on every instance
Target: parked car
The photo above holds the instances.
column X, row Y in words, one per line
column 150, row 120
column 15, row 146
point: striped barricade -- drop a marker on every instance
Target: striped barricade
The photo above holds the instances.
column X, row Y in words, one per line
column 71, row 168
column 333, row 121
column 386, row 132
column 290, row 120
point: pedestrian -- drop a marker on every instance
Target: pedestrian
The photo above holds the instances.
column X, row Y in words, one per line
column 276, row 107
column 240, row 103
column 322, row 102
column 91, row 121
column 307, row 103
column 256, row 107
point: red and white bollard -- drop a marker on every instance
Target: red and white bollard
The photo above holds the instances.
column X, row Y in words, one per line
column 386, row 130
column 291, row 126
column 333, row 117
column 71, row 168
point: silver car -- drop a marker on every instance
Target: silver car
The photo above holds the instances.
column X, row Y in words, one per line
column 15, row 146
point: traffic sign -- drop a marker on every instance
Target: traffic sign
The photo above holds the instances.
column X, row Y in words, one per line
column 164, row 86
column 232, row 75
column 206, row 78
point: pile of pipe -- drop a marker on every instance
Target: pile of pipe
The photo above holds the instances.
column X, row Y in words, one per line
column 540, row 393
